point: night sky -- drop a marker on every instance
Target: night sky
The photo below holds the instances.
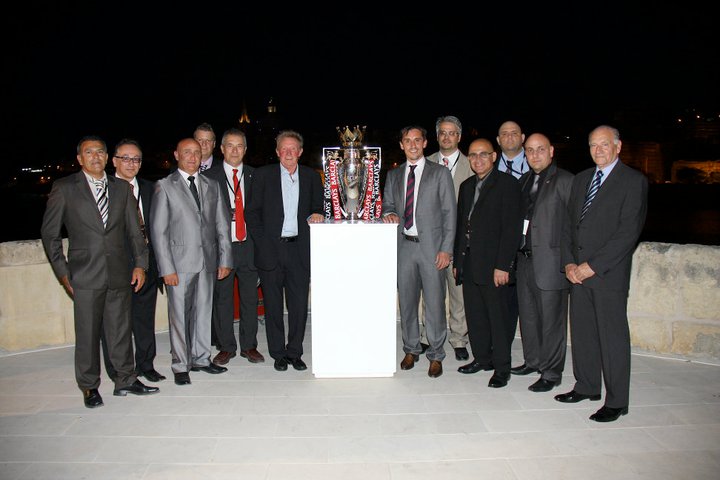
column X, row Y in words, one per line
column 155, row 72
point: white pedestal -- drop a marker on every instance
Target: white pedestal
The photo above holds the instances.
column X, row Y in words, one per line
column 353, row 299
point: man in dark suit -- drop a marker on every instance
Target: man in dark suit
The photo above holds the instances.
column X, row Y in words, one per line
column 234, row 180
column 541, row 284
column 189, row 225
column 513, row 161
column 127, row 160
column 606, row 214
column 100, row 215
column 421, row 193
column 487, row 239
column 283, row 199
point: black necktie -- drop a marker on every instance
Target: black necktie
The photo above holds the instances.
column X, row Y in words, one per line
column 194, row 191
column 534, row 188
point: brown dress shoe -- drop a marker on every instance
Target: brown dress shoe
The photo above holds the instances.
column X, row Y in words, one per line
column 223, row 358
column 435, row 369
column 409, row 361
column 252, row 355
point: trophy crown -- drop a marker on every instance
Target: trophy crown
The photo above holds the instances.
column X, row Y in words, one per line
column 351, row 138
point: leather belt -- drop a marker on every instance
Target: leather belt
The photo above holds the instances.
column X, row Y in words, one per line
column 527, row 253
column 288, row 239
column 411, row 238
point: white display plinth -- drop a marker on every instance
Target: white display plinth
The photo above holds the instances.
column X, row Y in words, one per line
column 353, row 299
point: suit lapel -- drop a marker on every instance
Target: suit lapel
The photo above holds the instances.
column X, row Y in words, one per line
column 88, row 195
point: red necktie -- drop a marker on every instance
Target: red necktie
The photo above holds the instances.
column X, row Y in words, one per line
column 446, row 162
column 239, row 211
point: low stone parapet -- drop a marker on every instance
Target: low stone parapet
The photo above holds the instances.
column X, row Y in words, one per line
column 673, row 308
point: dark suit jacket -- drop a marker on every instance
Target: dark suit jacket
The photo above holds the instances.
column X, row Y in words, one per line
column 608, row 235
column 218, row 174
column 264, row 214
column 146, row 192
column 546, row 225
column 97, row 255
column 495, row 227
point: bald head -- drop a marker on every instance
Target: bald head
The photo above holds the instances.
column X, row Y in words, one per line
column 539, row 152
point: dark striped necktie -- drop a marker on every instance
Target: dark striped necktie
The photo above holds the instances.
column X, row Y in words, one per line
column 102, row 200
column 594, row 187
column 410, row 198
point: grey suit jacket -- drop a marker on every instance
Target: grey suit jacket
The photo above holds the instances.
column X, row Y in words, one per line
column 549, row 216
column 187, row 240
column 462, row 169
column 435, row 207
column 608, row 235
column 97, row 255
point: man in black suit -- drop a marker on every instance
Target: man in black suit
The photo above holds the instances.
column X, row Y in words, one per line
column 99, row 214
column 127, row 160
column 486, row 242
column 541, row 284
column 607, row 209
column 284, row 198
column 234, row 179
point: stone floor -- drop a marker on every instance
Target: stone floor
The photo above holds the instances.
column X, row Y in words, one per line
column 255, row 423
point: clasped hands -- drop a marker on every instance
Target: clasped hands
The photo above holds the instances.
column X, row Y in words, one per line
column 578, row 273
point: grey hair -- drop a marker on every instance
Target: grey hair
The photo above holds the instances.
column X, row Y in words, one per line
column 450, row 119
column 615, row 132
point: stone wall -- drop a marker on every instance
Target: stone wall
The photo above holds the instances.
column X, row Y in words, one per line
column 35, row 311
column 674, row 304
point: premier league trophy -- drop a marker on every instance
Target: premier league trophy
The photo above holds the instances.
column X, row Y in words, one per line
column 352, row 178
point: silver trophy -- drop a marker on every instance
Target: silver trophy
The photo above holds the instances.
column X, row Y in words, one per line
column 352, row 174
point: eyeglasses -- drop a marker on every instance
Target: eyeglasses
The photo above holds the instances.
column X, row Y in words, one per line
column 483, row 155
column 443, row 133
column 135, row 160
column 203, row 141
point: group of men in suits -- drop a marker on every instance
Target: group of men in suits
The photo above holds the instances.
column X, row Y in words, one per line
column 193, row 229
column 549, row 233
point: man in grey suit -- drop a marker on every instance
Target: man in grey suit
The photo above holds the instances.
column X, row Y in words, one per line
column 421, row 194
column 449, row 133
column 541, row 284
column 607, row 209
column 191, row 234
column 100, row 215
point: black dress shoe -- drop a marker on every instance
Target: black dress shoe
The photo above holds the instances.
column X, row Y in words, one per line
column 474, row 367
column 423, row 347
column 461, row 354
column 522, row 370
column 608, row 414
column 152, row 375
column 281, row 365
column 543, row 385
column 297, row 363
column 573, row 397
column 499, row 380
column 182, row 378
column 210, row 368
column 92, row 398
column 137, row 388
